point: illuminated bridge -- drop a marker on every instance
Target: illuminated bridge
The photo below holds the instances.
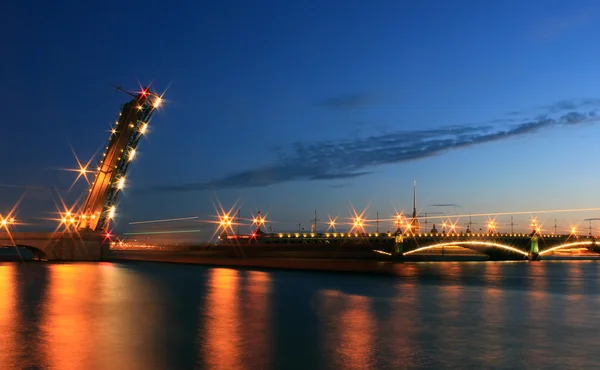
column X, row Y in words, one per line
column 85, row 232
column 407, row 246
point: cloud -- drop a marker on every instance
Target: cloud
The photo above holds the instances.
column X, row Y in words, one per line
column 346, row 101
column 565, row 105
column 549, row 28
column 344, row 159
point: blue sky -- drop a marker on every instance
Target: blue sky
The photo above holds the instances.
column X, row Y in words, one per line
column 292, row 106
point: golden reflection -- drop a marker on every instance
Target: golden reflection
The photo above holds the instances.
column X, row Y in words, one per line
column 538, row 304
column 350, row 329
column 69, row 326
column 575, row 280
column 8, row 317
column 130, row 320
column 221, row 340
column 256, row 316
column 494, row 316
column 400, row 329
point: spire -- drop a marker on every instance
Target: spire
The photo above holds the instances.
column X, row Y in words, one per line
column 414, row 222
column 415, row 199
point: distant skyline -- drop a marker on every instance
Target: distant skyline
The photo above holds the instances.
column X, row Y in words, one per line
column 290, row 107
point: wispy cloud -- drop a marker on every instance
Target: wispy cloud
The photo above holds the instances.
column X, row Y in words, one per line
column 345, row 101
column 344, row 159
column 549, row 28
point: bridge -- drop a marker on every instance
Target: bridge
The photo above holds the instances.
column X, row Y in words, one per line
column 86, row 234
column 59, row 246
column 406, row 245
column 499, row 246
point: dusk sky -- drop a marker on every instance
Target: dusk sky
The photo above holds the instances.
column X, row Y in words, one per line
column 491, row 106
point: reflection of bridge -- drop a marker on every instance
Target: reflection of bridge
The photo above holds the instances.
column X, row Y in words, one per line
column 87, row 231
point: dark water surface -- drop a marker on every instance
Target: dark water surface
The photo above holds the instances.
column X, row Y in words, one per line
column 166, row 316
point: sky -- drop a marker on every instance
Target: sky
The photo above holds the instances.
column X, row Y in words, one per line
column 287, row 107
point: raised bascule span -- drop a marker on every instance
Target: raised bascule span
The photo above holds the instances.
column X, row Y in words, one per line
column 87, row 233
column 111, row 172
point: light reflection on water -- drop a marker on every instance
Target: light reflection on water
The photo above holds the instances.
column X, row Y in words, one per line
column 165, row 316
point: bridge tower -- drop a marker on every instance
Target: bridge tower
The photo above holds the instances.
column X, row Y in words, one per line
column 130, row 125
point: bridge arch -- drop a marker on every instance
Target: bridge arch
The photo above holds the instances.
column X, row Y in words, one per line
column 469, row 245
column 568, row 245
column 37, row 252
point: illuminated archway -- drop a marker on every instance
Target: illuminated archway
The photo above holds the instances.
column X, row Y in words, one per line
column 467, row 243
column 567, row 245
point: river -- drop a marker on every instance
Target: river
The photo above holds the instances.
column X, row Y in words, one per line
column 481, row 315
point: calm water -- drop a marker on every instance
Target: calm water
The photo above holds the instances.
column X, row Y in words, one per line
column 163, row 316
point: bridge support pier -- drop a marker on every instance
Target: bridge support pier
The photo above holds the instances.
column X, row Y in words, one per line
column 60, row 246
column 398, row 251
column 534, row 250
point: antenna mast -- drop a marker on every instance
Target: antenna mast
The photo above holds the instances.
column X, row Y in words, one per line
column 315, row 222
column 238, row 223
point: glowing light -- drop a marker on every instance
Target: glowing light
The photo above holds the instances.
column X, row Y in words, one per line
column 574, row 244
column 114, row 131
column 121, row 183
column 111, row 212
column 131, row 154
column 3, row 222
column 332, row 223
column 143, row 128
column 382, row 252
column 573, row 230
column 157, row 102
column 482, row 243
column 358, row 222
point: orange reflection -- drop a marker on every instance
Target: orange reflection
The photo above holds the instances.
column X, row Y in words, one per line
column 494, row 316
column 221, row 341
column 256, row 315
column 401, row 327
column 129, row 315
column 351, row 331
column 538, row 301
column 69, row 328
column 8, row 317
